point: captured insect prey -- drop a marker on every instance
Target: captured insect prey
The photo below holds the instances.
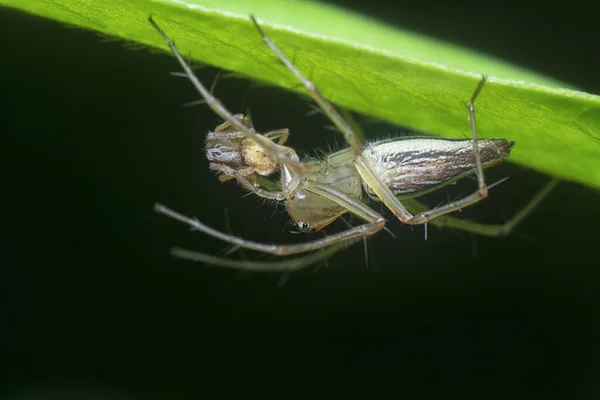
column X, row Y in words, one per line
column 318, row 192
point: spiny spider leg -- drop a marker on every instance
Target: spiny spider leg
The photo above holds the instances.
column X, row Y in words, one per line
column 281, row 135
column 393, row 203
column 496, row 230
column 374, row 223
column 214, row 103
column 257, row 190
column 289, row 264
column 342, row 125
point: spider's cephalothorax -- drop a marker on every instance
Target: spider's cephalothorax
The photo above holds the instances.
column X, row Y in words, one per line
column 230, row 152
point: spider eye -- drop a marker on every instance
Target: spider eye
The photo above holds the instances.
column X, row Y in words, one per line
column 303, row 225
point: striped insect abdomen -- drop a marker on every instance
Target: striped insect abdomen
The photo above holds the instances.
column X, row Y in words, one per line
column 410, row 167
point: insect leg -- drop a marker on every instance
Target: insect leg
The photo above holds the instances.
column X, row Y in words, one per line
column 250, row 186
column 289, row 264
column 482, row 191
column 375, row 223
column 218, row 107
column 487, row 229
column 387, row 197
column 342, row 125
column 281, row 135
column 390, row 200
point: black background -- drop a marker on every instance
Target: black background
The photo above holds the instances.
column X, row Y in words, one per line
column 96, row 306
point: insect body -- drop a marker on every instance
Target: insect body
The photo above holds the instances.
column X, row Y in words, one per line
column 231, row 152
column 412, row 167
column 318, row 192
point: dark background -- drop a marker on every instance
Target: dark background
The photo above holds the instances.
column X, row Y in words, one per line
column 95, row 306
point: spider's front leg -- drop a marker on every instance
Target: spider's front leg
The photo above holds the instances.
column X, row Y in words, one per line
column 351, row 137
column 219, row 108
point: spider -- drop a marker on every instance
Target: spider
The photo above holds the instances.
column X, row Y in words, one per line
column 318, row 192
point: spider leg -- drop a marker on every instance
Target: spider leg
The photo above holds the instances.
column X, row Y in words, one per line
column 215, row 104
column 353, row 139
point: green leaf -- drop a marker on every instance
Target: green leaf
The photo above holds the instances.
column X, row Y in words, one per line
column 366, row 66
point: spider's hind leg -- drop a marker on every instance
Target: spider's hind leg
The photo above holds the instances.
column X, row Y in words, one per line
column 496, row 230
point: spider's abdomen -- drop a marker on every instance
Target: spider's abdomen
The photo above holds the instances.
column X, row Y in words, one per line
column 411, row 167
